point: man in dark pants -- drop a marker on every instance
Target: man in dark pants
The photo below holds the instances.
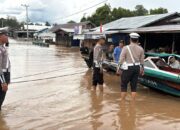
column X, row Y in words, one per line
column 97, row 66
column 4, row 68
column 133, row 58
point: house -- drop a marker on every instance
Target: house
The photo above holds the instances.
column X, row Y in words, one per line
column 32, row 29
column 65, row 32
column 119, row 29
column 46, row 35
column 164, row 36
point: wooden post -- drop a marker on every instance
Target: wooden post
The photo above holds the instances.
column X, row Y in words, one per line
column 173, row 44
column 145, row 42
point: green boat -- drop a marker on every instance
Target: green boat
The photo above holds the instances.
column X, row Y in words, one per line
column 158, row 74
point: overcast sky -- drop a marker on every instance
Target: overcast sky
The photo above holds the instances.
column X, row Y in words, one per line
column 56, row 11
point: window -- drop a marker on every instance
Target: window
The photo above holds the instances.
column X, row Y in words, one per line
column 148, row 64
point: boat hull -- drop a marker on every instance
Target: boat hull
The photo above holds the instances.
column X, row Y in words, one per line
column 162, row 75
column 167, row 87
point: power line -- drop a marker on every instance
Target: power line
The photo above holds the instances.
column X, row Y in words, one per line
column 82, row 10
column 27, row 19
column 40, row 73
column 48, row 78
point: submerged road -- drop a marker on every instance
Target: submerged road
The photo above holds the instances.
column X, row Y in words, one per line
column 51, row 90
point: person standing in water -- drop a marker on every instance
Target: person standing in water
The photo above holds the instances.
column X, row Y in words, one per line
column 4, row 68
column 97, row 64
column 133, row 56
column 109, row 53
column 117, row 51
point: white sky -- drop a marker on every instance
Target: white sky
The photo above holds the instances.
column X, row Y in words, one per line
column 56, row 11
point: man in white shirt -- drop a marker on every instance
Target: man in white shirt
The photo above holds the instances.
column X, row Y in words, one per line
column 4, row 68
column 174, row 63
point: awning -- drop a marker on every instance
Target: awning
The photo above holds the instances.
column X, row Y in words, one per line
column 155, row 29
column 78, row 37
column 104, row 32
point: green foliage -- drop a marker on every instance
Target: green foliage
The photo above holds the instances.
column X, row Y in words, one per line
column 140, row 10
column 158, row 11
column 102, row 15
column 71, row 21
column 83, row 19
column 105, row 14
column 47, row 23
column 10, row 22
column 118, row 13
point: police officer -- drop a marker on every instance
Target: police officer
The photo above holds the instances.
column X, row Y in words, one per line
column 4, row 68
column 132, row 57
column 97, row 66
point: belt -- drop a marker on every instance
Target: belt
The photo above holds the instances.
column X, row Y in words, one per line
column 6, row 70
column 133, row 64
column 98, row 65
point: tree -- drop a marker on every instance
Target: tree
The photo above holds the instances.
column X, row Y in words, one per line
column 158, row 11
column 120, row 12
column 71, row 21
column 55, row 24
column 83, row 19
column 10, row 22
column 31, row 23
column 101, row 15
column 105, row 14
column 140, row 10
column 47, row 23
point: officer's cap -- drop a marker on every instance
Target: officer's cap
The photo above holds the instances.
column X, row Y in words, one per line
column 134, row 35
column 3, row 32
column 101, row 37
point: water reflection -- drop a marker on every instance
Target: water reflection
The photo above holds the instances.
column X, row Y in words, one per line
column 3, row 125
column 127, row 115
column 96, row 109
column 109, row 112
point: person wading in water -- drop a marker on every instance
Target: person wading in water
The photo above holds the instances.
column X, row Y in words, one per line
column 131, row 64
column 97, row 64
column 4, row 68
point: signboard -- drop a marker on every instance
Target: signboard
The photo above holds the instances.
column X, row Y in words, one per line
column 78, row 30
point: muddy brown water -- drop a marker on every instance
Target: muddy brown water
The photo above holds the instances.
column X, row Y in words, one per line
column 51, row 90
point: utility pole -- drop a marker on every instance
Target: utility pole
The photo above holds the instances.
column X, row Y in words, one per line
column 2, row 22
column 27, row 19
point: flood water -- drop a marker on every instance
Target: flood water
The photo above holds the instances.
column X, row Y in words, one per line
column 51, row 90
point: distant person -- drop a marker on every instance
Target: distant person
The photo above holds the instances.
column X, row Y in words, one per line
column 109, row 53
column 174, row 63
column 117, row 51
column 133, row 55
column 4, row 68
column 162, row 50
column 97, row 67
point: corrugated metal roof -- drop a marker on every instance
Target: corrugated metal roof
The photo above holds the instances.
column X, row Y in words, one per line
column 134, row 22
column 47, row 34
column 104, row 32
column 155, row 29
column 68, row 30
column 175, row 20
column 4, row 30
column 36, row 27
column 70, row 25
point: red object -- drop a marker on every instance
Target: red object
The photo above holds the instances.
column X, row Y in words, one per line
column 101, row 29
column 3, row 39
